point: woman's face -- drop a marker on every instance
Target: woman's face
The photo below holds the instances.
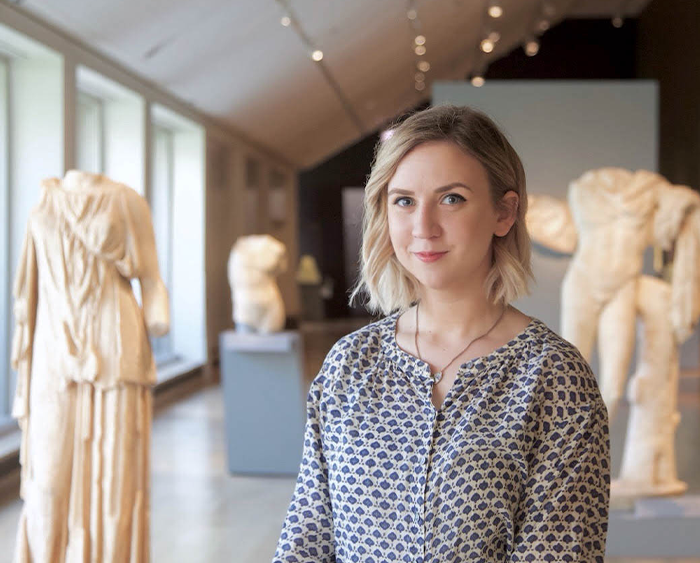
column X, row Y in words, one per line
column 441, row 217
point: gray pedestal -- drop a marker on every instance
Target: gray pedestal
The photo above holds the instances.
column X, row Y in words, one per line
column 656, row 527
column 264, row 398
column 660, row 527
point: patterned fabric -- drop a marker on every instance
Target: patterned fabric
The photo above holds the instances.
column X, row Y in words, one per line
column 514, row 466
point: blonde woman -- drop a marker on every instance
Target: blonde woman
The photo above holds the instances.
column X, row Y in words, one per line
column 457, row 428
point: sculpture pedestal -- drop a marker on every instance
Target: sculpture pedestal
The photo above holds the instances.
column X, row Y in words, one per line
column 659, row 527
column 265, row 401
column 656, row 527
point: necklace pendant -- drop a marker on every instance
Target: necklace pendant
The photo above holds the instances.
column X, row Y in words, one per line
column 437, row 377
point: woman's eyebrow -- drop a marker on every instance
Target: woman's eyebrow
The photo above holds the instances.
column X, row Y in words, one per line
column 437, row 190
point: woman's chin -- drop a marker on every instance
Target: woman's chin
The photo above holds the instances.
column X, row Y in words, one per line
column 437, row 282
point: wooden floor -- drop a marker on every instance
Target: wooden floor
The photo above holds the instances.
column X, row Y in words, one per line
column 199, row 512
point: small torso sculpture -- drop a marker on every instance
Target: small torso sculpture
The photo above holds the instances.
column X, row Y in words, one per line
column 613, row 215
column 85, row 368
column 253, row 264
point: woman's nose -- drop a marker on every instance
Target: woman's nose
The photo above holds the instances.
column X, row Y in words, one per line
column 425, row 222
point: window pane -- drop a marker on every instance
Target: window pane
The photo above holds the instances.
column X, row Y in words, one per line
column 6, row 378
column 89, row 134
column 161, row 208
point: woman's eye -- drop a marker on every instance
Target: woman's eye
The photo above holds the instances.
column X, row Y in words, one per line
column 451, row 199
column 403, row 201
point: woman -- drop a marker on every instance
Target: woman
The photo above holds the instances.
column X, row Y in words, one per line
column 456, row 428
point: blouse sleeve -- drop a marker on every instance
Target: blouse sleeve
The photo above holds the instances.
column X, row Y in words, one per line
column 563, row 511
column 307, row 532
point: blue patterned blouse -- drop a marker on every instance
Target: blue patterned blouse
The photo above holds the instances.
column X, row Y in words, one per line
column 514, row 466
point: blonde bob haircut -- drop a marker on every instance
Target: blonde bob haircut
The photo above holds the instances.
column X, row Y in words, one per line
column 386, row 283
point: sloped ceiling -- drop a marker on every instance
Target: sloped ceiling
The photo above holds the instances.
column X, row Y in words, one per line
column 233, row 60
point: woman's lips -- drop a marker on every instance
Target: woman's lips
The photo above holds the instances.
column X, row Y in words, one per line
column 429, row 256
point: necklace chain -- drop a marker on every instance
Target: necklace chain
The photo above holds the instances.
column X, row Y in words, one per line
column 438, row 376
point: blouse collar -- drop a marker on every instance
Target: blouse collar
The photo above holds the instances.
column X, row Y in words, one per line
column 414, row 366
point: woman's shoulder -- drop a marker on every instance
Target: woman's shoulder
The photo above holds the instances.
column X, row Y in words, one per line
column 559, row 369
column 548, row 347
column 365, row 341
column 361, row 348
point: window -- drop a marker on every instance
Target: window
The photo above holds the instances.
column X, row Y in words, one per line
column 176, row 195
column 90, row 134
column 109, row 129
column 31, row 149
column 5, row 282
column 161, row 200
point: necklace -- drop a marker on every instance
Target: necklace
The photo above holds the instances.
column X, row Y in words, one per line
column 438, row 376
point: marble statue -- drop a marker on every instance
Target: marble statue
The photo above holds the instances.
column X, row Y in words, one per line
column 611, row 217
column 85, row 371
column 254, row 263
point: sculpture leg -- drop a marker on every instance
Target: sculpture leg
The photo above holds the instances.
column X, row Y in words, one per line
column 579, row 312
column 649, row 458
column 616, row 343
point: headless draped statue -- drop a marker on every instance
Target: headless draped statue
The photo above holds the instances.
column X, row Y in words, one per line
column 254, row 263
column 85, row 371
column 612, row 216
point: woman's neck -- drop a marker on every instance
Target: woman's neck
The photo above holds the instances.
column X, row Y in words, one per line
column 457, row 317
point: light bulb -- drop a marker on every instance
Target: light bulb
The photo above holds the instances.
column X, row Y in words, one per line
column 419, row 76
column 317, row 55
column 617, row 21
column 420, row 50
column 423, row 66
column 495, row 11
column 543, row 25
column 494, row 36
column 487, row 45
column 532, row 47
column 412, row 14
column 386, row 134
column 286, row 21
column 478, row 81
column 420, row 86
column 420, row 39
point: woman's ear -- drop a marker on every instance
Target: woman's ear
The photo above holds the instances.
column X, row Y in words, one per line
column 507, row 213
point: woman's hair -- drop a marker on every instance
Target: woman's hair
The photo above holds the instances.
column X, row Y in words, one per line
column 388, row 285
